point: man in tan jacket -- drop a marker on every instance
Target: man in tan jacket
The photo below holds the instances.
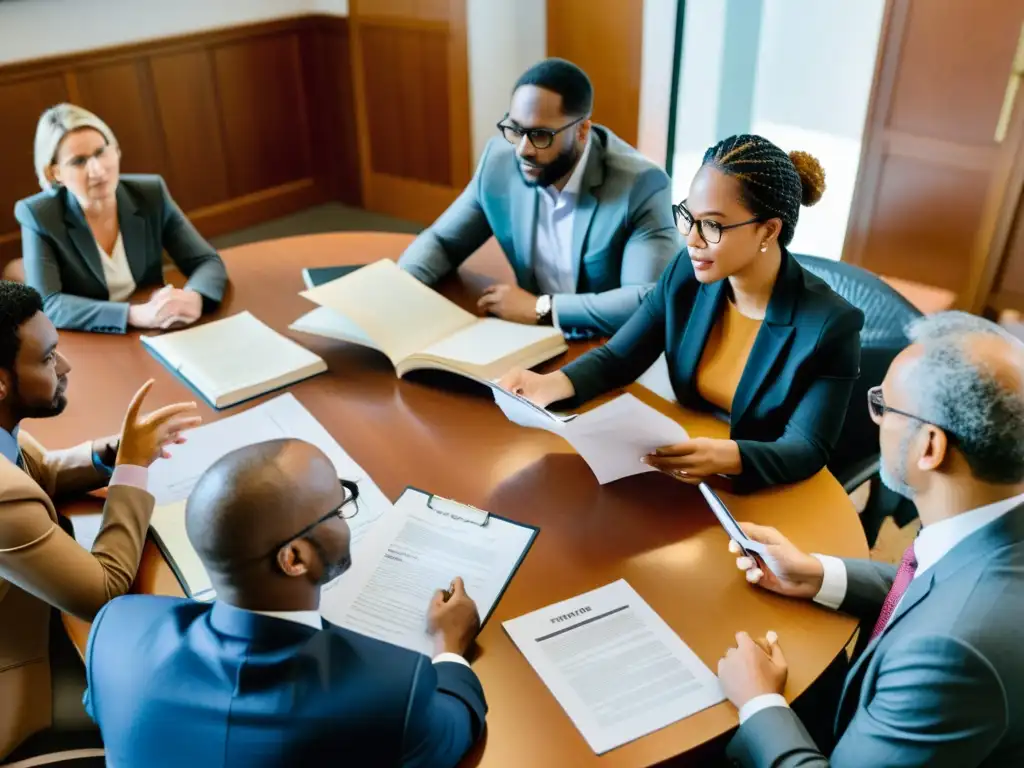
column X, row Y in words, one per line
column 42, row 567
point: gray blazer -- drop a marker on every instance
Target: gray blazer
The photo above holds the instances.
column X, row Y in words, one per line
column 943, row 685
column 623, row 231
column 62, row 261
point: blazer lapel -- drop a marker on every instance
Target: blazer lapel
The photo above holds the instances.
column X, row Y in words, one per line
column 775, row 333
column 82, row 238
column 524, row 222
column 133, row 234
column 586, row 205
column 707, row 305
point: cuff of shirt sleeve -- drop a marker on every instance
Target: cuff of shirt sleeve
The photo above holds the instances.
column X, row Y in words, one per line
column 758, row 703
column 452, row 657
column 554, row 313
column 833, row 582
column 131, row 475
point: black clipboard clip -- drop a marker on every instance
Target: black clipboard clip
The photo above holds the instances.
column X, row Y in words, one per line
column 457, row 510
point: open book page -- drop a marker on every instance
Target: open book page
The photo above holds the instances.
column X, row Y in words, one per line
column 491, row 344
column 325, row 322
column 395, row 310
column 235, row 355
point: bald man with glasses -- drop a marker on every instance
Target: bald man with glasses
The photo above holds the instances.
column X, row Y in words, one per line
column 584, row 219
column 258, row 678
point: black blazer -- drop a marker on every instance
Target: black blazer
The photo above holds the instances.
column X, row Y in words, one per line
column 62, row 261
column 792, row 397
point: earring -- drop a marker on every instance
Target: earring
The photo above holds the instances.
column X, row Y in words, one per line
column 764, row 247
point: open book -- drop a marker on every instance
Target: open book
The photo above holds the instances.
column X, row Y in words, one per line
column 383, row 307
column 234, row 359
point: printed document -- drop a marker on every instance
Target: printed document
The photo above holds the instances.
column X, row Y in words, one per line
column 611, row 438
column 415, row 551
column 172, row 480
column 617, row 669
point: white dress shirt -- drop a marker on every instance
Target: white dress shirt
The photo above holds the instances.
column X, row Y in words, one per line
column 553, row 256
column 117, row 273
column 932, row 544
column 314, row 620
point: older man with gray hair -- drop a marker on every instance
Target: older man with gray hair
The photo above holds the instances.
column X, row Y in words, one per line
column 938, row 679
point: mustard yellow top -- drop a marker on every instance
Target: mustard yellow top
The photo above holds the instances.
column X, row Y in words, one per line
column 725, row 357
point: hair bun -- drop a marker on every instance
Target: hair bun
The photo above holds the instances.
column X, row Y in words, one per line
column 812, row 177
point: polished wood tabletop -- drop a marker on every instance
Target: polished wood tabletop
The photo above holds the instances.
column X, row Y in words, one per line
column 439, row 434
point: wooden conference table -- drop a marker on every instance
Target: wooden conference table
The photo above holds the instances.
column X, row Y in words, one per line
column 451, row 440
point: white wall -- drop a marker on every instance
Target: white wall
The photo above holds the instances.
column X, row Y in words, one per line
column 31, row 29
column 505, row 39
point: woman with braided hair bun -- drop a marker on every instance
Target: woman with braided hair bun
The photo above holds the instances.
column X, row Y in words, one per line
column 747, row 333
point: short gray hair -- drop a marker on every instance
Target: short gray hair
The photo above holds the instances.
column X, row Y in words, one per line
column 954, row 391
column 56, row 123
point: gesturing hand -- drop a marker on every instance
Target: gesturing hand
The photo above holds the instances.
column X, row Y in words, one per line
column 453, row 623
column 795, row 573
column 144, row 439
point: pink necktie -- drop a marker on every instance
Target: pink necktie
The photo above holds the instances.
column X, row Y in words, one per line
column 904, row 575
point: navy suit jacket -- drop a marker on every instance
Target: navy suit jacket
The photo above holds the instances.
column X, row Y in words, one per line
column 63, row 263
column 792, row 397
column 174, row 682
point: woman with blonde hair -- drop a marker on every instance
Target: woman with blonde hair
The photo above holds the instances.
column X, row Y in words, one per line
column 92, row 237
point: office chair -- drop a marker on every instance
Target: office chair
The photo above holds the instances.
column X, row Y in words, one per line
column 855, row 459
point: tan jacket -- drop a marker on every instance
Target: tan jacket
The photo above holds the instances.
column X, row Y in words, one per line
column 41, row 566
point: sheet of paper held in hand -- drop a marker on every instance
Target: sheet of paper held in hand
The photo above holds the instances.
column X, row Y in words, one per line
column 611, row 438
column 412, row 553
column 617, row 669
column 171, row 480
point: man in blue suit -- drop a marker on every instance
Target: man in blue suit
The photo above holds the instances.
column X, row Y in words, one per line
column 258, row 678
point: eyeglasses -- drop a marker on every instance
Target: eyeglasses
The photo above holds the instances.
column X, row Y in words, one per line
column 541, row 138
column 877, row 408
column 709, row 231
column 351, row 491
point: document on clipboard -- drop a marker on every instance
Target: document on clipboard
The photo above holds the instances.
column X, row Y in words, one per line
column 417, row 549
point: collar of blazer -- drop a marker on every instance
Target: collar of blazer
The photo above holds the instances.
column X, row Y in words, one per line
column 131, row 222
column 982, row 544
column 265, row 630
column 768, row 345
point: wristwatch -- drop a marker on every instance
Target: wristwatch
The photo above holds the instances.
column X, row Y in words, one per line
column 543, row 310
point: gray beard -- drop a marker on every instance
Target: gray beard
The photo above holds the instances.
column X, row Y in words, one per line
column 897, row 480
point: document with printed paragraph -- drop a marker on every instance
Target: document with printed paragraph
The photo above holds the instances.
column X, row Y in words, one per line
column 418, row 549
column 617, row 669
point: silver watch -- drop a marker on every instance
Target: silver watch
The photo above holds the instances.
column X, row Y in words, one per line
column 543, row 308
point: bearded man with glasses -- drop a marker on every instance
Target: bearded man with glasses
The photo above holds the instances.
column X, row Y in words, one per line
column 584, row 219
column 258, row 678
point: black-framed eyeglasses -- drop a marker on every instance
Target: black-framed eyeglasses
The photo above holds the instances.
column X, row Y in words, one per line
column 878, row 408
column 541, row 138
column 709, row 231
column 351, row 491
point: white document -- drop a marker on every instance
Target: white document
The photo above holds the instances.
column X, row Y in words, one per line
column 172, row 480
column 234, row 359
column 611, row 438
column 616, row 668
column 324, row 321
column 412, row 553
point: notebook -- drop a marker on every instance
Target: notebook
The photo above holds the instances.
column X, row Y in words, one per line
column 234, row 359
column 383, row 307
column 314, row 276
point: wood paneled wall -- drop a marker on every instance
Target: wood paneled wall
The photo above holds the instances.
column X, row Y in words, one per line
column 411, row 76
column 245, row 124
column 605, row 39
